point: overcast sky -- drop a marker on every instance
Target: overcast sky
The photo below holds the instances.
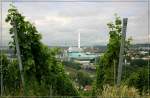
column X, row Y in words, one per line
column 60, row 22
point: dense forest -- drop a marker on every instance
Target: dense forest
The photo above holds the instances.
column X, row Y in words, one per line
column 45, row 75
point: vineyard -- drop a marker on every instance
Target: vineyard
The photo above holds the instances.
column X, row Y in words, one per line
column 36, row 70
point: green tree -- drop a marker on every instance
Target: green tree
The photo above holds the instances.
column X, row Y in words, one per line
column 107, row 67
column 140, row 79
column 11, row 76
column 40, row 65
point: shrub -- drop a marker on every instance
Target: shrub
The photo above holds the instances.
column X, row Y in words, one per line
column 122, row 91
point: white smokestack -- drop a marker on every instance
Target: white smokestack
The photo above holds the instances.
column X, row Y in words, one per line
column 79, row 40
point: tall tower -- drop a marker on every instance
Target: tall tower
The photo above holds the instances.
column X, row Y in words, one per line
column 79, row 40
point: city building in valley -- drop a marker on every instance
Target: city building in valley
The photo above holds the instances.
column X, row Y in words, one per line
column 77, row 54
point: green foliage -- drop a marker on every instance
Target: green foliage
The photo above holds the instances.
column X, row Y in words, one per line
column 139, row 62
column 98, row 85
column 42, row 71
column 107, row 67
column 136, row 74
column 11, row 82
column 83, row 79
column 139, row 79
column 74, row 65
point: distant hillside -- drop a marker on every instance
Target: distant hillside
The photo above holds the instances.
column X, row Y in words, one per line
column 141, row 45
column 95, row 46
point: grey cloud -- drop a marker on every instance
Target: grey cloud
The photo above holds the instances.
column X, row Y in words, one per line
column 59, row 23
